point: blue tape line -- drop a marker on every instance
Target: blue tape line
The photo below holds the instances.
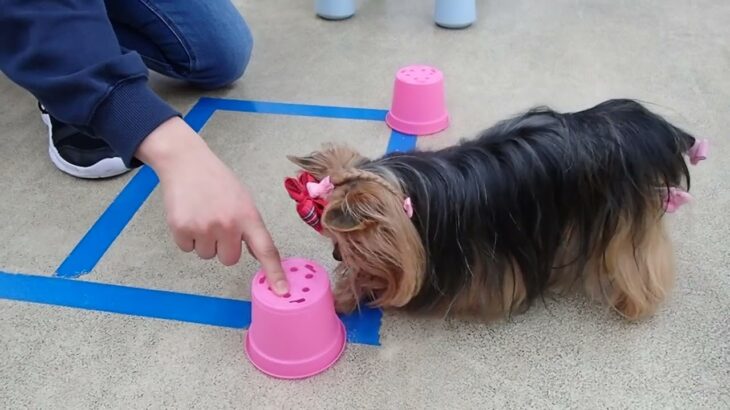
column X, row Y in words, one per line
column 400, row 142
column 110, row 224
column 325, row 111
column 87, row 253
column 362, row 328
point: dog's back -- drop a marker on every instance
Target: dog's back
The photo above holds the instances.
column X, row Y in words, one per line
column 545, row 199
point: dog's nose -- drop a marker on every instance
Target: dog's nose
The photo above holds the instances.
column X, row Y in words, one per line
column 336, row 255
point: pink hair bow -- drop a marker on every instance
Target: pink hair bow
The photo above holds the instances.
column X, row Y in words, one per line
column 675, row 199
column 321, row 189
column 699, row 151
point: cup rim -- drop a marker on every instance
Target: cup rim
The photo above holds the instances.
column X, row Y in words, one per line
column 418, row 128
column 342, row 335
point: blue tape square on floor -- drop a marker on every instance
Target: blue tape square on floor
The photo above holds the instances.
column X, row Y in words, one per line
column 362, row 327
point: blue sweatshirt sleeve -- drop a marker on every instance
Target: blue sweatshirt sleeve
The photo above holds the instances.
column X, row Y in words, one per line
column 66, row 54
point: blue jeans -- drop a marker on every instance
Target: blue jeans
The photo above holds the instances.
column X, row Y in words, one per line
column 203, row 42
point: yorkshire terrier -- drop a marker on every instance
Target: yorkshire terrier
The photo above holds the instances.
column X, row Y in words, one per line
column 538, row 203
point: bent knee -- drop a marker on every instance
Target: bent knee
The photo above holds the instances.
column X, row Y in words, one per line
column 223, row 56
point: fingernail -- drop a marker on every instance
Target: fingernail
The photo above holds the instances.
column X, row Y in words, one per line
column 281, row 287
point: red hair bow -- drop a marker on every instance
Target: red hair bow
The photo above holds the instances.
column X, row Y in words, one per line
column 309, row 207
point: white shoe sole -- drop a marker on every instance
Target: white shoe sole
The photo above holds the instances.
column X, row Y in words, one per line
column 106, row 168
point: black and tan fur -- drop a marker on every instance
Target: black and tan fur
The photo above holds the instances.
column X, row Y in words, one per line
column 541, row 202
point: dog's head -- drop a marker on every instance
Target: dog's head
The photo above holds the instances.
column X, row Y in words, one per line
column 381, row 254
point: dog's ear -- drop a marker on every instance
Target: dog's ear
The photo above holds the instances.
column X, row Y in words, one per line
column 354, row 210
column 379, row 245
column 330, row 159
column 342, row 220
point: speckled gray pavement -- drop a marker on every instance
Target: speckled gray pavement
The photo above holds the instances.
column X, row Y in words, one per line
column 569, row 54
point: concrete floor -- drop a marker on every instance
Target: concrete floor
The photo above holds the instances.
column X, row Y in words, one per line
column 569, row 54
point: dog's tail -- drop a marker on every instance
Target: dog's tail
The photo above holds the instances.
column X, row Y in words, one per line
column 650, row 150
column 643, row 174
column 629, row 170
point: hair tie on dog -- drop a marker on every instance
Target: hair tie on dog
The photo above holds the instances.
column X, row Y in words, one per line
column 408, row 207
column 321, row 189
column 675, row 199
column 699, row 151
column 309, row 207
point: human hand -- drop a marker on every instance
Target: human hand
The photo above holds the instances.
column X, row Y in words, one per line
column 208, row 210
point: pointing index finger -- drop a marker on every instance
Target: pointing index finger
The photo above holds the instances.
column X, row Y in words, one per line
column 262, row 246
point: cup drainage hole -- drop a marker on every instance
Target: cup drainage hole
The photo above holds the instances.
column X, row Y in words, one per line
column 311, row 268
column 262, row 280
column 294, row 269
column 297, row 301
column 286, row 295
column 305, row 290
column 309, row 276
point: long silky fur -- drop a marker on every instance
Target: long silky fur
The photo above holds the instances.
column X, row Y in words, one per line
column 537, row 196
column 511, row 195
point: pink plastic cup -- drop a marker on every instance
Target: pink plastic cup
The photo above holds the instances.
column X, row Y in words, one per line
column 297, row 335
column 418, row 106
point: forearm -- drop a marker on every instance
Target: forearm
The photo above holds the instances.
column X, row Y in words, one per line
column 67, row 55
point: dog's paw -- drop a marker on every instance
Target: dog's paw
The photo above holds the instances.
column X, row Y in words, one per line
column 345, row 301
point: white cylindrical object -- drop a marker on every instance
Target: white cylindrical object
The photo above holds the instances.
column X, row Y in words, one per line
column 455, row 13
column 335, row 9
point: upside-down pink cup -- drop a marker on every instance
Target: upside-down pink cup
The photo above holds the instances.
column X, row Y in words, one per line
column 418, row 106
column 299, row 334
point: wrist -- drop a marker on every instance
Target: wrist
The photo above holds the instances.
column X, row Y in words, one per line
column 172, row 142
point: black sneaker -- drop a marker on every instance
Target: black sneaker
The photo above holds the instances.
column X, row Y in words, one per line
column 78, row 154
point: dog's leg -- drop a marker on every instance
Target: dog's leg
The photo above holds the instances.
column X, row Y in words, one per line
column 514, row 294
column 490, row 299
column 637, row 269
column 345, row 299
